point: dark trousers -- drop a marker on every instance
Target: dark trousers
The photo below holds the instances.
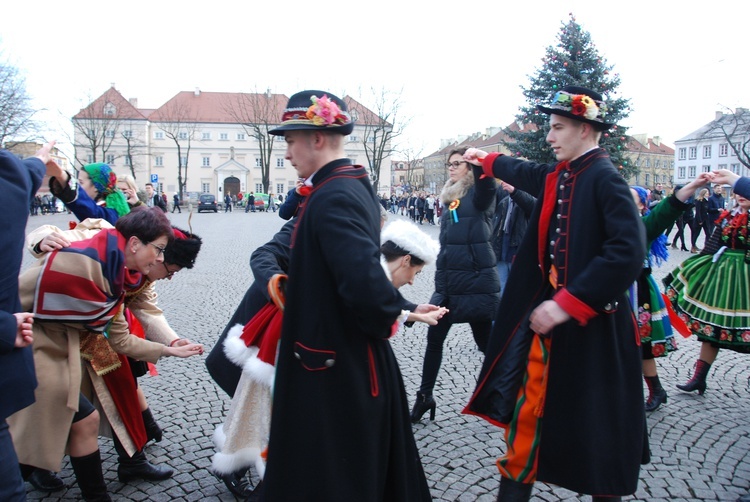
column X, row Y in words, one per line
column 433, row 354
column 12, row 488
column 699, row 226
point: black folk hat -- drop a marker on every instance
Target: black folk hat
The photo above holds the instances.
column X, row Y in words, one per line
column 579, row 103
column 315, row 110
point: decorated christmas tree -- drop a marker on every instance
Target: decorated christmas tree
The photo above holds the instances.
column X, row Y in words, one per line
column 573, row 61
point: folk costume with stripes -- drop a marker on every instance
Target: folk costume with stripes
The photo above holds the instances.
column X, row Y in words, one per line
column 571, row 402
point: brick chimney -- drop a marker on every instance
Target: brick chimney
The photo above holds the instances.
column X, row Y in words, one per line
column 134, row 102
column 197, row 92
column 718, row 115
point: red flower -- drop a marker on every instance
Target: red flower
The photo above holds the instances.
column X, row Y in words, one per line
column 304, row 190
column 578, row 107
column 658, row 349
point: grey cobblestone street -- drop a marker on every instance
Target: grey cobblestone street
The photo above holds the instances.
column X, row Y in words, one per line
column 700, row 444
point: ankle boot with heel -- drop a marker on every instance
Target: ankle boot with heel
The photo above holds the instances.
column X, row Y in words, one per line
column 423, row 403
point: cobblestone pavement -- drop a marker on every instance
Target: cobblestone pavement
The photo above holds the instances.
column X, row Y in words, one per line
column 700, row 444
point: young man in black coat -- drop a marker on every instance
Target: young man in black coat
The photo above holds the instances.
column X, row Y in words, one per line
column 562, row 372
column 153, row 199
column 340, row 424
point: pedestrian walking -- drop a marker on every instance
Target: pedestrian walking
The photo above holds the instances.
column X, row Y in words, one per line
column 565, row 338
column 176, row 203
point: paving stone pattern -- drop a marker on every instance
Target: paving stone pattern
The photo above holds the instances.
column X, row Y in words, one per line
column 700, row 444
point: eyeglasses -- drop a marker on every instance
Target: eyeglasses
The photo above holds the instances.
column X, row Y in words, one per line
column 454, row 164
column 170, row 273
column 159, row 250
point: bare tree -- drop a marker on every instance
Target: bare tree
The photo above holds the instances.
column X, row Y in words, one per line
column 258, row 113
column 134, row 148
column 16, row 113
column 381, row 124
column 734, row 126
column 178, row 121
column 413, row 160
column 95, row 129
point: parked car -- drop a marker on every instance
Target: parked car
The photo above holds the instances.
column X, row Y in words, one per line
column 207, row 202
column 261, row 201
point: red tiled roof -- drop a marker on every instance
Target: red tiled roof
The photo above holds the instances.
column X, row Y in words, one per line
column 634, row 145
column 123, row 108
column 364, row 116
column 220, row 107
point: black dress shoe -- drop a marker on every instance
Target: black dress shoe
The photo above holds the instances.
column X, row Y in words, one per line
column 138, row 467
column 45, row 481
column 237, row 483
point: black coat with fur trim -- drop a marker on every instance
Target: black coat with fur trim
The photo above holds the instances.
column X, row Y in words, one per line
column 340, row 426
column 593, row 437
column 466, row 279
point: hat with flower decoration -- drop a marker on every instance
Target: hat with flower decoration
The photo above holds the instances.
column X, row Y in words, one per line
column 315, row 110
column 579, row 103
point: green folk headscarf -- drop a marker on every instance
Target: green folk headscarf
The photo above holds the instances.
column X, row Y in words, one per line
column 105, row 182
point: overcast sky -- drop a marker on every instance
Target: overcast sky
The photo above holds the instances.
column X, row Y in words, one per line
column 459, row 65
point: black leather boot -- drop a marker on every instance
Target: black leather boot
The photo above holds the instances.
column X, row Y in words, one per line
column 45, row 481
column 656, row 393
column 423, row 403
column 88, row 471
column 514, row 491
column 698, row 382
column 153, row 431
column 138, row 466
column 237, row 483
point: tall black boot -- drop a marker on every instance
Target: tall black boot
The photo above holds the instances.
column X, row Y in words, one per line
column 656, row 393
column 423, row 403
column 88, row 471
column 153, row 431
column 514, row 491
column 698, row 382
column 138, row 466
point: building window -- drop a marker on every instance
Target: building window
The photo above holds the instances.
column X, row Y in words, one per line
column 159, row 161
column 206, row 187
column 683, row 153
column 91, row 133
column 259, row 188
column 109, row 110
column 693, row 152
column 240, row 136
column 160, row 187
column 89, row 159
column 735, row 147
column 671, row 164
column 158, row 135
column 723, row 150
column 279, row 188
column 280, row 162
column 691, row 172
column 707, row 152
column 646, row 179
column 353, row 138
column 183, row 161
column 206, row 136
column 127, row 134
column 706, row 169
column 258, row 163
column 648, row 164
column 681, row 172
column 223, row 136
column 110, row 159
column 206, row 161
column 182, row 135
column 109, row 133
column 127, row 160
column 657, row 162
column 736, row 168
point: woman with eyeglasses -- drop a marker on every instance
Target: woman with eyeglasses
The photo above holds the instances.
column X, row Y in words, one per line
column 76, row 295
column 145, row 320
column 466, row 280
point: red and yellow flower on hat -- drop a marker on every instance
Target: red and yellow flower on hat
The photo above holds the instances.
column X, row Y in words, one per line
column 584, row 106
column 324, row 111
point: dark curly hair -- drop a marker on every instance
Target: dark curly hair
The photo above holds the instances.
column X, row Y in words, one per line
column 183, row 250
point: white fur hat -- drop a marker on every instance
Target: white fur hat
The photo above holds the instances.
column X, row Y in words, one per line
column 411, row 239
